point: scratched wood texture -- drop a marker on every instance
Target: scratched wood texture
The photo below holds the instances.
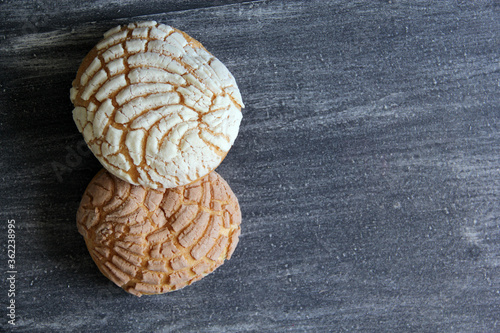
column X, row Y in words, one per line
column 367, row 168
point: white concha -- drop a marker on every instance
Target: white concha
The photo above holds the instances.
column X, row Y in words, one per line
column 154, row 106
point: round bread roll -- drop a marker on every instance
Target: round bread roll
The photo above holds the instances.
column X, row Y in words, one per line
column 154, row 241
column 154, row 106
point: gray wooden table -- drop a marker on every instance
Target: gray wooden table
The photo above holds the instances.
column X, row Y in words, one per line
column 367, row 168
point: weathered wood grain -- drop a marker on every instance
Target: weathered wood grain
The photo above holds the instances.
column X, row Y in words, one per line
column 21, row 17
column 367, row 169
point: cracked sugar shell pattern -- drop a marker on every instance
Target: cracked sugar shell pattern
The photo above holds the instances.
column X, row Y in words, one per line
column 154, row 106
column 151, row 241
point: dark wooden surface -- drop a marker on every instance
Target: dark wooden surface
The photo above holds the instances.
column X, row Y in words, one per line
column 367, row 168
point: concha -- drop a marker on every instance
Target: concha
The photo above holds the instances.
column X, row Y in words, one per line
column 151, row 241
column 154, row 106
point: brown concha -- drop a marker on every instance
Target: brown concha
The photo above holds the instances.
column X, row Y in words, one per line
column 155, row 241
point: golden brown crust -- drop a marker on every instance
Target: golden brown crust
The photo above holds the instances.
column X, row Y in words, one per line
column 155, row 241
